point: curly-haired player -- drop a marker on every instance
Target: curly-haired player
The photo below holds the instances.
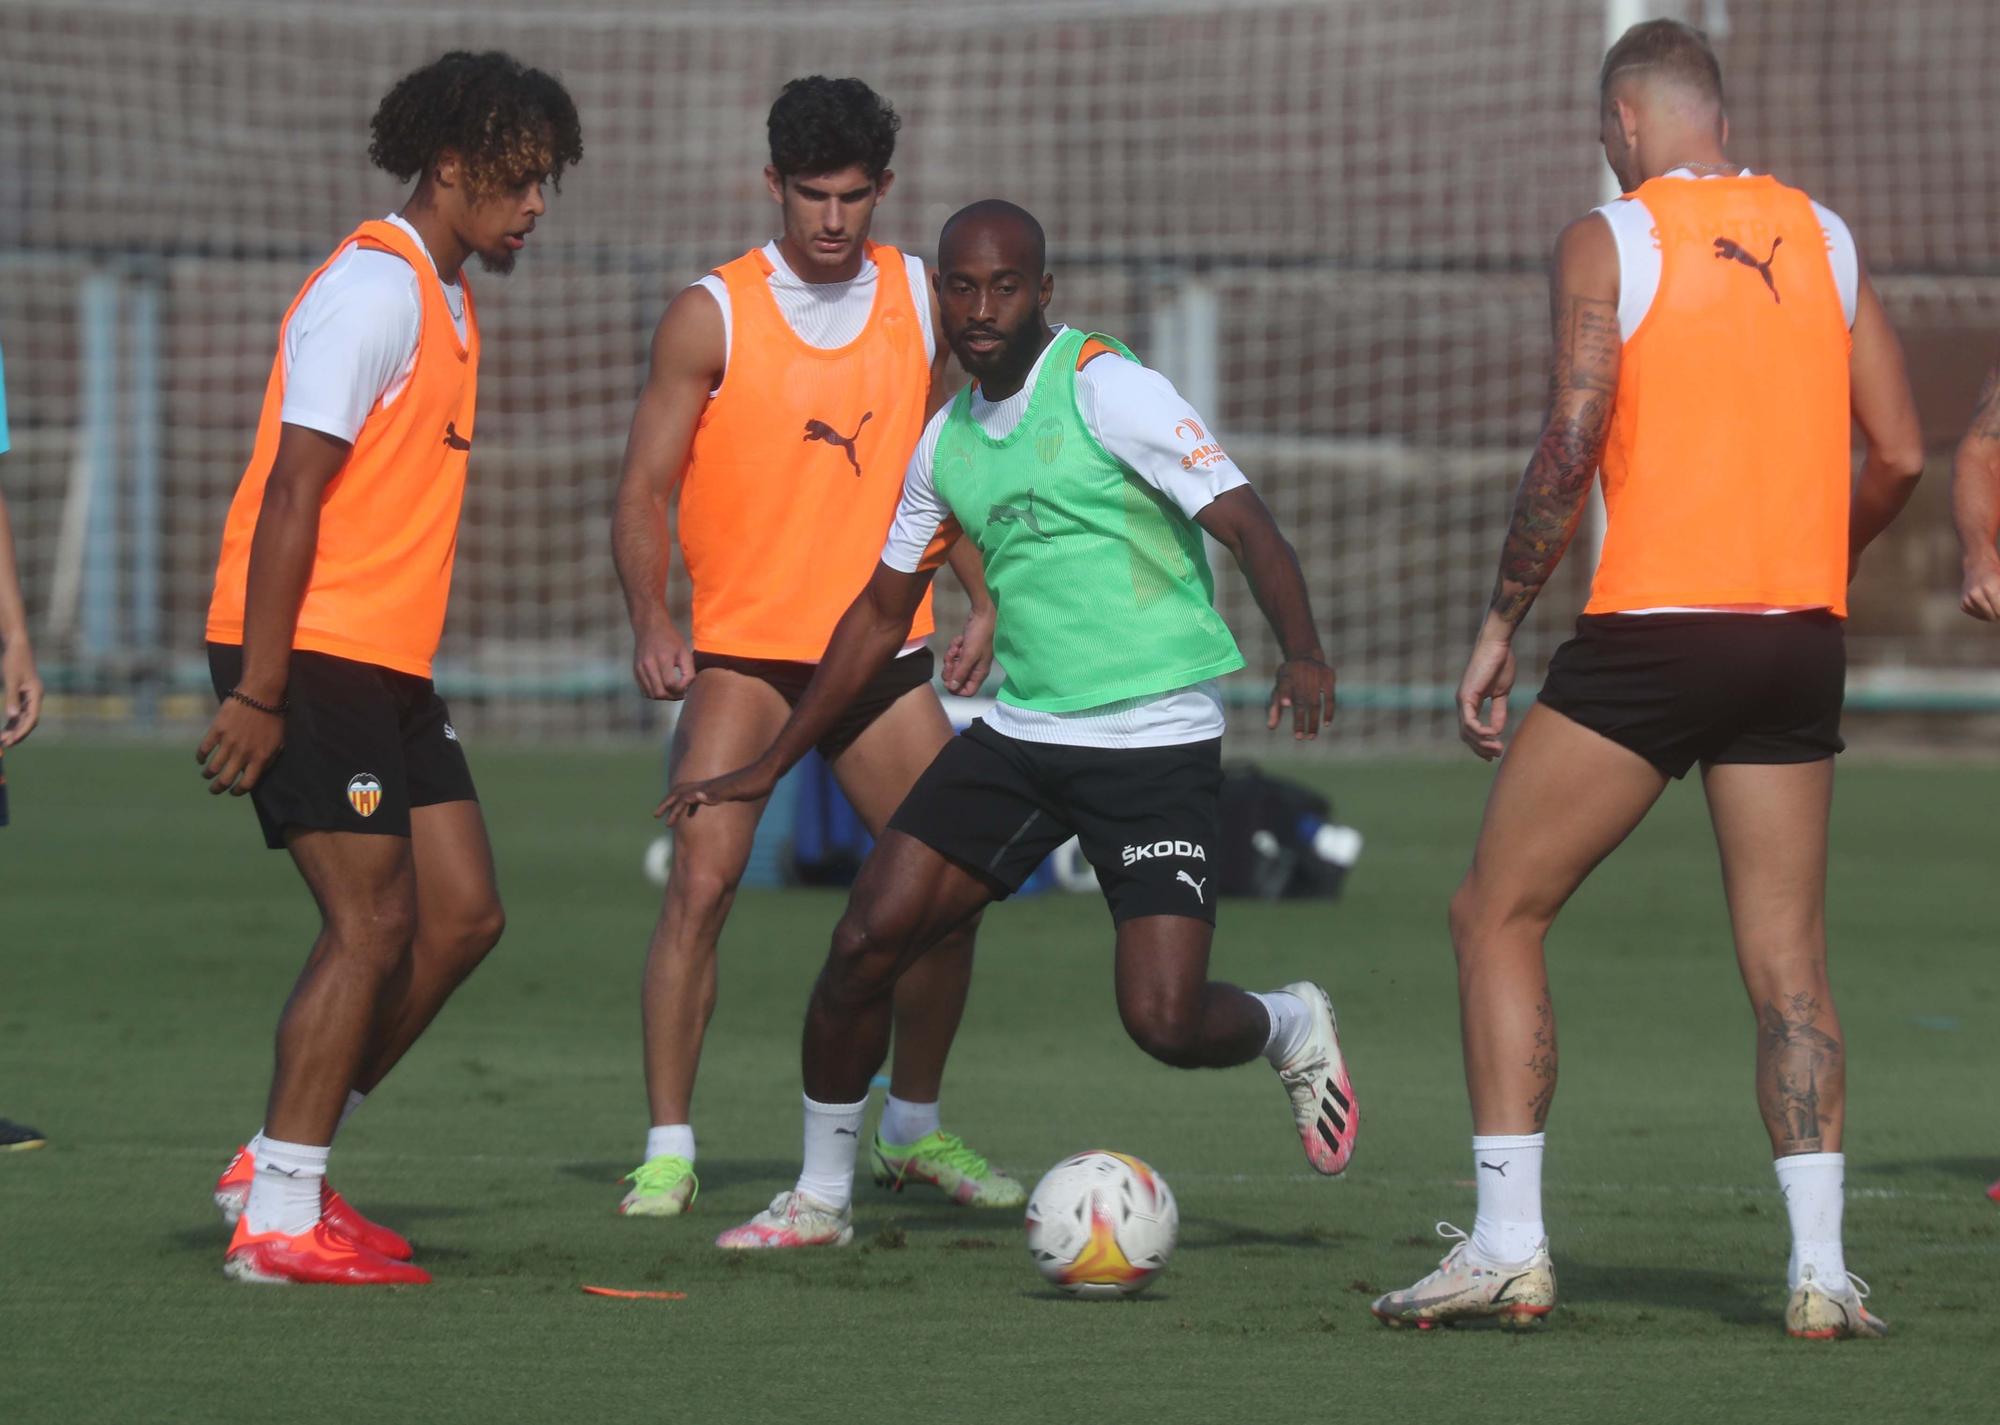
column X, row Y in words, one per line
column 329, row 600
column 788, row 389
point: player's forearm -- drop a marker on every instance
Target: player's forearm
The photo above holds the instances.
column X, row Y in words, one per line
column 13, row 611
column 1975, row 502
column 971, row 571
column 1548, row 506
column 1881, row 490
column 639, row 550
column 865, row 639
column 281, row 561
column 1271, row 568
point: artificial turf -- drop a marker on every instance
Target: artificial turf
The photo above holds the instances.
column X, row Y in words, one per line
column 147, row 941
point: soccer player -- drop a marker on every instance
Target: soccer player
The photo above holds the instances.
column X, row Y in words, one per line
column 1975, row 502
column 1086, row 482
column 788, row 388
column 20, row 704
column 1713, row 331
column 329, row 601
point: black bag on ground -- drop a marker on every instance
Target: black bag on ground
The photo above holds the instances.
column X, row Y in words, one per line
column 1280, row 839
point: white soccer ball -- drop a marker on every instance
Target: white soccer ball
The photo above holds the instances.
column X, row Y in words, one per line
column 659, row 859
column 1102, row 1225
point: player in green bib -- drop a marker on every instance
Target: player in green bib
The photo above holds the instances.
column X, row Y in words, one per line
column 1086, row 482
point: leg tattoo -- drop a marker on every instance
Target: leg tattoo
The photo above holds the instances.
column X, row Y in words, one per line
column 1793, row 1056
column 1543, row 1062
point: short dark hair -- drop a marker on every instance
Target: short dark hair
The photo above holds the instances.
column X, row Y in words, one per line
column 998, row 212
column 821, row 125
column 509, row 123
column 1674, row 49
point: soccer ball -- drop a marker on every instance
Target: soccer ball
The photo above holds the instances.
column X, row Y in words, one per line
column 1102, row 1225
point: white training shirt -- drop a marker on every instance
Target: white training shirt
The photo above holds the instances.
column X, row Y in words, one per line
column 1631, row 224
column 1146, row 425
column 352, row 344
column 825, row 315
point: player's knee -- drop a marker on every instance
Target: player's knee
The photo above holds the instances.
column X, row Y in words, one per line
column 862, row 961
column 483, row 929
column 702, row 887
column 1481, row 912
column 380, row 932
column 1169, row 1033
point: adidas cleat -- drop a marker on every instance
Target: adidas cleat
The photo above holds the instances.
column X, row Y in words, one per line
column 1816, row 1314
column 792, row 1220
column 661, row 1187
column 1322, row 1093
column 1464, row 1288
column 321, row 1256
column 941, row 1160
column 232, row 1196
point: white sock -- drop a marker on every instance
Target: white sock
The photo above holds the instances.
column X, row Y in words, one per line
column 284, row 1196
column 904, row 1122
column 1291, row 1022
column 1508, row 1169
column 670, row 1140
column 833, row 1132
column 355, row 1098
column 1811, row 1184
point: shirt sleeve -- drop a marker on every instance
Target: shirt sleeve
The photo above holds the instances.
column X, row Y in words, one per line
column 1845, row 259
column 352, row 341
column 1148, row 426
column 924, row 530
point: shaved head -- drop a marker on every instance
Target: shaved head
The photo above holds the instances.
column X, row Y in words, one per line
column 1664, row 52
column 1011, row 229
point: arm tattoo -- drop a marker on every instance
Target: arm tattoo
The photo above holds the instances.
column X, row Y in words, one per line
column 1550, row 501
column 1543, row 1063
column 1794, row 1057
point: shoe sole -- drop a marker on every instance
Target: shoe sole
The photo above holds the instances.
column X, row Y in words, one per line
column 1516, row 1318
column 27, row 1147
column 639, row 1209
column 897, row 1182
column 239, row 1269
column 231, row 1206
column 846, row 1236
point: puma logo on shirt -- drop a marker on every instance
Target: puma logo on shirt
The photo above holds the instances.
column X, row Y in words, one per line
column 1012, row 514
column 453, row 439
column 1734, row 252
column 1184, row 876
column 820, row 430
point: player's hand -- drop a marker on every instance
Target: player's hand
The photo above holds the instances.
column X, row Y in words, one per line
column 20, row 694
column 745, row 784
column 1980, row 595
column 662, row 662
column 1305, row 685
column 970, row 657
column 241, row 743
column 1489, row 677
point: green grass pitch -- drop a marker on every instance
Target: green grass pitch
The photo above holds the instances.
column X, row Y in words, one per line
column 146, row 942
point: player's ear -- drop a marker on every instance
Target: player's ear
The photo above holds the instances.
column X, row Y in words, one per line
column 447, row 169
column 774, row 183
column 1048, row 290
column 882, row 184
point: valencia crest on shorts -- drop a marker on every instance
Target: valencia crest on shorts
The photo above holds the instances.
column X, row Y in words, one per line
column 364, row 793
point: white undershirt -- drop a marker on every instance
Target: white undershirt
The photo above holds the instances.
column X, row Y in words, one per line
column 352, row 344
column 825, row 315
column 1147, row 426
column 1632, row 231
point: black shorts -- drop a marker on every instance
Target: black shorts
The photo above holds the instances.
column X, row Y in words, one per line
column 363, row 745
column 1146, row 816
column 883, row 692
column 1713, row 688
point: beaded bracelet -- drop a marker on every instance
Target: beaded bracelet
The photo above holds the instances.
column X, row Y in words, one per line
column 248, row 701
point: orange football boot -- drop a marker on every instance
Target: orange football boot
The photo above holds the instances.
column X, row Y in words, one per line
column 232, row 1195
column 321, row 1256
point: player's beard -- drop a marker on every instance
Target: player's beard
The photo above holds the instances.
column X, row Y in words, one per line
column 1015, row 352
column 500, row 264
